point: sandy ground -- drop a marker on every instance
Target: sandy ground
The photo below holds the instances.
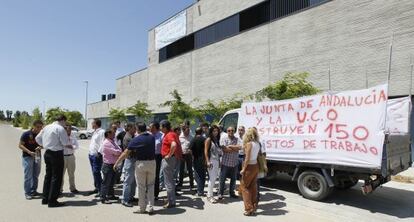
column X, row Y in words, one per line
column 281, row 199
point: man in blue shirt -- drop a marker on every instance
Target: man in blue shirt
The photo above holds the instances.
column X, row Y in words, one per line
column 31, row 159
column 143, row 148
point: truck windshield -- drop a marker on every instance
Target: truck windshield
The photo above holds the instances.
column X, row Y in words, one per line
column 230, row 120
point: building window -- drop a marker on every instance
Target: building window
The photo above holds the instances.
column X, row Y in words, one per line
column 255, row 16
column 217, row 32
column 228, row 27
column 315, row 2
column 205, row 36
column 177, row 48
column 281, row 8
column 162, row 54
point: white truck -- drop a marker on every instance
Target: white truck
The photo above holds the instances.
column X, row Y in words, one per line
column 319, row 170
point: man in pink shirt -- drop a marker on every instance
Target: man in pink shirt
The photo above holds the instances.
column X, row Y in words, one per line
column 110, row 153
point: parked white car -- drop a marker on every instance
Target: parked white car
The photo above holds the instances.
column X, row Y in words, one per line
column 81, row 134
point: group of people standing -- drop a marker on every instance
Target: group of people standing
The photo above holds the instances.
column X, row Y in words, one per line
column 59, row 143
column 149, row 158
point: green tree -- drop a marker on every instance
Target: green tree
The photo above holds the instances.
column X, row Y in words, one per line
column 140, row 110
column 25, row 120
column 9, row 114
column 53, row 113
column 181, row 111
column 217, row 109
column 2, row 116
column 16, row 119
column 75, row 118
column 292, row 85
column 36, row 114
column 117, row 115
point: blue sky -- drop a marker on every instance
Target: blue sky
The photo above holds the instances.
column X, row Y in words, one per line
column 49, row 47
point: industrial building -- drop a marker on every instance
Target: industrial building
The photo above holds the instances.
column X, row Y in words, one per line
column 215, row 49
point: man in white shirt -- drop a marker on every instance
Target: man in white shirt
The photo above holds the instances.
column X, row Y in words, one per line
column 53, row 138
column 118, row 131
column 70, row 161
column 95, row 158
column 185, row 139
column 241, row 131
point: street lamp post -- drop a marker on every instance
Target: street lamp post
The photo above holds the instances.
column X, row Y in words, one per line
column 86, row 104
column 44, row 111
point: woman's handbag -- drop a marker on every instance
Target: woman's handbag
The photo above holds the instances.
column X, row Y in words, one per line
column 261, row 160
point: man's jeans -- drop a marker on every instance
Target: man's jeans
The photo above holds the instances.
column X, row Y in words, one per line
column 96, row 165
column 31, row 174
column 177, row 171
column 168, row 167
column 200, row 175
column 240, row 166
column 228, row 172
column 158, row 159
column 130, row 185
column 187, row 161
column 108, row 181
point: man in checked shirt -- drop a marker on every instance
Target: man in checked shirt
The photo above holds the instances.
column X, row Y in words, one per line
column 229, row 165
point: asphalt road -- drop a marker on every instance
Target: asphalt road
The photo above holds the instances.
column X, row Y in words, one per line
column 281, row 199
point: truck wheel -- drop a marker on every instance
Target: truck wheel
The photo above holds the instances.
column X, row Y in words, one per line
column 82, row 137
column 346, row 184
column 312, row 185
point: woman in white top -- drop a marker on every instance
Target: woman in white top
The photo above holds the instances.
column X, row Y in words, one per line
column 212, row 154
column 249, row 172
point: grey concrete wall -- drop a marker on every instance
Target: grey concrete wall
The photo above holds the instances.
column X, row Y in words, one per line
column 235, row 65
column 167, row 76
column 350, row 36
column 101, row 109
column 132, row 88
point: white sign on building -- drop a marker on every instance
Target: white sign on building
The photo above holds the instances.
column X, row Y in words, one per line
column 171, row 30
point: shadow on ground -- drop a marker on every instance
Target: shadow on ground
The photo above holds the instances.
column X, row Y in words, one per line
column 171, row 211
column 81, row 203
column 385, row 200
column 191, row 202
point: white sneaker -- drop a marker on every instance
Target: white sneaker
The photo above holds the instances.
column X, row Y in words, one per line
column 212, row 200
column 150, row 210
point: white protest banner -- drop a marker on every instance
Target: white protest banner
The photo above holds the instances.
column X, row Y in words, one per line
column 345, row 128
column 398, row 116
column 171, row 30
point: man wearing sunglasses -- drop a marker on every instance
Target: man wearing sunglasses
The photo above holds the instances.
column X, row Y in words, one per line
column 229, row 167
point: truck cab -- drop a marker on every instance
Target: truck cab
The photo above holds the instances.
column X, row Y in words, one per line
column 230, row 118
